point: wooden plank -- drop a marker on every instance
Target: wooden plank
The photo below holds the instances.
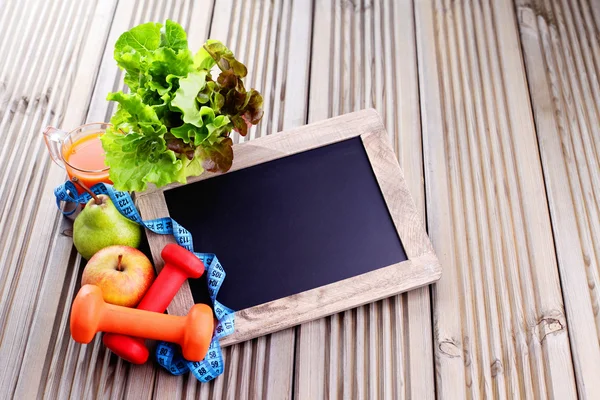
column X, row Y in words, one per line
column 40, row 337
column 10, row 9
column 269, row 372
column 31, row 239
column 20, row 28
column 70, row 368
column 21, row 86
column 135, row 381
column 561, row 51
column 82, row 370
column 112, row 379
column 144, row 381
column 294, row 94
column 367, row 58
column 109, row 75
column 311, row 375
column 498, row 311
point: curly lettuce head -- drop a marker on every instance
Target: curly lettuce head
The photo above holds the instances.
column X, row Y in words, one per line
column 176, row 120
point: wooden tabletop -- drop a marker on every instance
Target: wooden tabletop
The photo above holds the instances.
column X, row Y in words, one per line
column 493, row 110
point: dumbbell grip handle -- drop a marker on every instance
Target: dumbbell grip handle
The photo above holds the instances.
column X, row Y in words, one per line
column 163, row 290
column 133, row 322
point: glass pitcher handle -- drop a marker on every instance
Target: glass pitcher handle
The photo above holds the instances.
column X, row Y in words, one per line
column 54, row 141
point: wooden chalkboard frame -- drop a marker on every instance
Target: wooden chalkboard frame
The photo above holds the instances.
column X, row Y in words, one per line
column 421, row 268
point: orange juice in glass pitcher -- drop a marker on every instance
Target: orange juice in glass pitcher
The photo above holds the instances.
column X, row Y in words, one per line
column 79, row 152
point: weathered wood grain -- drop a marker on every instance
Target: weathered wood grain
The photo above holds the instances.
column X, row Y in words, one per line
column 500, row 329
column 81, row 373
column 31, row 283
column 259, row 34
column 364, row 56
column 470, row 92
column 561, row 52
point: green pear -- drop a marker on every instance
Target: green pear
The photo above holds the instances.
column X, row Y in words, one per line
column 100, row 225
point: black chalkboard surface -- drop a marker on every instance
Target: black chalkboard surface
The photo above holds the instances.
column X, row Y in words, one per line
column 291, row 224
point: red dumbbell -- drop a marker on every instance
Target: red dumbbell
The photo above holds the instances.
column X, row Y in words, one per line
column 180, row 264
column 90, row 314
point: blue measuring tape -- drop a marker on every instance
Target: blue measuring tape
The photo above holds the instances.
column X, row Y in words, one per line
column 169, row 355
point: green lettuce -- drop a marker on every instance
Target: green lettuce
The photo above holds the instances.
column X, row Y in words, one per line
column 138, row 148
column 176, row 119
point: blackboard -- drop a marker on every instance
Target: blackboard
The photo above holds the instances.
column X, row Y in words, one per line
column 290, row 225
column 307, row 223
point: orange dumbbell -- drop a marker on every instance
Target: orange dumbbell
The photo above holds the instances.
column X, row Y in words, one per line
column 90, row 314
column 180, row 265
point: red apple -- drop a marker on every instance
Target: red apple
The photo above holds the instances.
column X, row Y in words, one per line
column 123, row 274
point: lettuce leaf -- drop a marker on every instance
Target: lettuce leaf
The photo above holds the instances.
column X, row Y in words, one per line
column 218, row 157
column 173, row 36
column 203, row 60
column 137, row 116
column 136, row 160
column 224, row 58
column 154, row 57
column 185, row 97
column 212, row 128
column 135, row 147
column 245, row 108
column 176, row 120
